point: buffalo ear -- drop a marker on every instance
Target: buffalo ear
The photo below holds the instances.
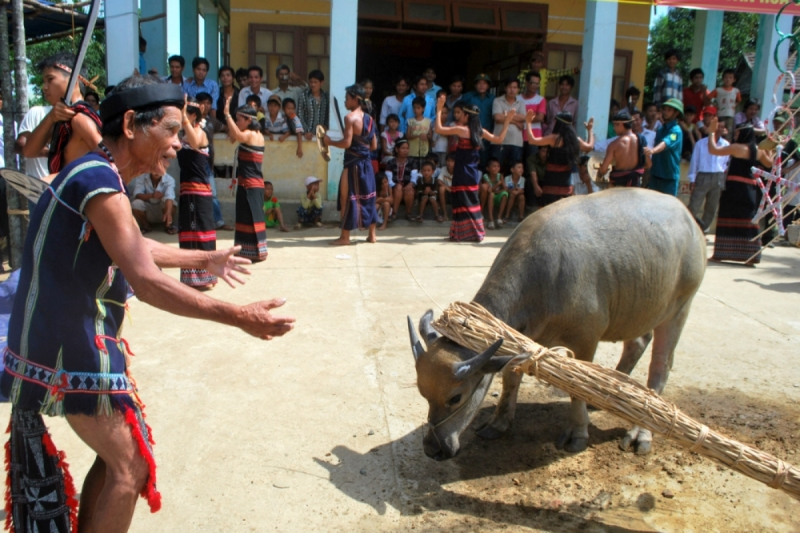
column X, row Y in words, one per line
column 425, row 328
column 496, row 364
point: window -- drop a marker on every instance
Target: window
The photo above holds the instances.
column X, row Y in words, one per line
column 476, row 16
column 432, row 12
column 380, row 10
column 525, row 17
column 302, row 49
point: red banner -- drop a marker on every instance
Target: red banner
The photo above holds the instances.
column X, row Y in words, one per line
column 766, row 7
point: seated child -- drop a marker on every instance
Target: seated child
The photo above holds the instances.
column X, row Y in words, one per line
column 515, row 184
column 274, row 121
column 310, row 211
column 434, row 159
column 293, row 124
column 384, row 201
column 445, row 182
column 493, row 193
column 389, row 137
column 272, row 209
column 426, row 191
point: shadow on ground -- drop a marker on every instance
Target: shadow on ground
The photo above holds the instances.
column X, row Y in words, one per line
column 423, row 481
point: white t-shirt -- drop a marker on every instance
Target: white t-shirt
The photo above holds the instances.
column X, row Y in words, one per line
column 537, row 104
column 510, row 183
column 144, row 185
column 391, row 106
column 726, row 101
column 35, row 166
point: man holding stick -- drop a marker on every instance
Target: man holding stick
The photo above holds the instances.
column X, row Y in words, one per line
column 65, row 355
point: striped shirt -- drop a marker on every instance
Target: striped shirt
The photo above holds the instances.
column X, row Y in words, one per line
column 313, row 112
column 668, row 85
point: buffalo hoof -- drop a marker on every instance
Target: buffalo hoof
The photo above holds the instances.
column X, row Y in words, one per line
column 572, row 444
column 489, row 432
column 640, row 440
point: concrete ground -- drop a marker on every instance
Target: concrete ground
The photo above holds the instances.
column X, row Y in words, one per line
column 322, row 430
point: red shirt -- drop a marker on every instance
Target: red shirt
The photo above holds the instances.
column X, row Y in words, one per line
column 697, row 99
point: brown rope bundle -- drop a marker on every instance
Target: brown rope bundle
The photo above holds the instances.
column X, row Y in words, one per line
column 473, row 327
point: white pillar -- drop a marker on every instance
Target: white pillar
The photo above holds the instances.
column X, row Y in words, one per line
column 600, row 30
column 765, row 72
column 173, row 28
column 707, row 38
column 190, row 36
column 344, row 29
column 211, row 31
column 155, row 33
column 122, row 51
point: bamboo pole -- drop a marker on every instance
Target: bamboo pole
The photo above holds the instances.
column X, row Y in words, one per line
column 473, row 327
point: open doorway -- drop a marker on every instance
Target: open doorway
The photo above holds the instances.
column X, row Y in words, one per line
column 383, row 55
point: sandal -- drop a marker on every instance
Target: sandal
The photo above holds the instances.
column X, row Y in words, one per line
column 392, row 217
column 411, row 218
column 419, row 219
column 171, row 229
column 439, row 218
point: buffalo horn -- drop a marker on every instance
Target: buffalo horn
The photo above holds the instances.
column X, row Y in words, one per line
column 416, row 346
column 465, row 369
column 425, row 328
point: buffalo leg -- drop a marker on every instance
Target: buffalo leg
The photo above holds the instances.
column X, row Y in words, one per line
column 632, row 351
column 665, row 340
column 576, row 437
column 506, row 407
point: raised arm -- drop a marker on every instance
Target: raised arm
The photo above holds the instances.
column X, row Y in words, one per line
column 547, row 140
column 498, row 139
column 461, row 131
column 588, row 145
column 234, row 133
column 736, row 150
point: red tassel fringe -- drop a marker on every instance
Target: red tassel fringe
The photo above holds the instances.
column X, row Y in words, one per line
column 8, row 506
column 149, row 492
column 69, row 484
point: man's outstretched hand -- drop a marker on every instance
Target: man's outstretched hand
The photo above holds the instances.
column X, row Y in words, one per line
column 257, row 320
column 225, row 266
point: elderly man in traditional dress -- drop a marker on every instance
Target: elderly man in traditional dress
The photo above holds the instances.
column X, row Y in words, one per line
column 65, row 355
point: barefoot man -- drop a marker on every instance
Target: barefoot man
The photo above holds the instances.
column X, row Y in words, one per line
column 357, row 184
column 65, row 355
column 626, row 152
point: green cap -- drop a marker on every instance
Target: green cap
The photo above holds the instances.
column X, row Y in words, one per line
column 674, row 103
column 482, row 77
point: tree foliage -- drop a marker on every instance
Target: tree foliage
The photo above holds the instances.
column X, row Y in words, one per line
column 676, row 30
column 95, row 60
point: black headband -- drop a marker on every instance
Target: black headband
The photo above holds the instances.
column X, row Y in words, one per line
column 155, row 94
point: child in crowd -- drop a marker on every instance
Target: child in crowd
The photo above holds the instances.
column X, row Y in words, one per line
column 651, row 121
column 445, row 182
column 515, row 184
column 632, row 95
column 310, row 210
column 441, row 142
column 389, row 137
column 426, row 191
column 272, row 209
column 434, row 160
column 493, row 193
column 419, row 131
column 538, row 166
column 254, row 101
column 274, row 121
column 709, row 113
column 384, row 201
column 690, row 132
column 727, row 97
column 668, row 83
column 293, row 125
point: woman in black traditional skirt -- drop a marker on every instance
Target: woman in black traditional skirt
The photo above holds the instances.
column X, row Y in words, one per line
column 565, row 148
column 739, row 202
column 196, row 217
column 467, row 218
column 251, row 232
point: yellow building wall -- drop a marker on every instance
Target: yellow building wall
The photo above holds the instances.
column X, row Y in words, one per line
column 564, row 25
column 277, row 12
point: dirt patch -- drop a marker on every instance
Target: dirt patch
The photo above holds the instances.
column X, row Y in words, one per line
column 523, row 481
